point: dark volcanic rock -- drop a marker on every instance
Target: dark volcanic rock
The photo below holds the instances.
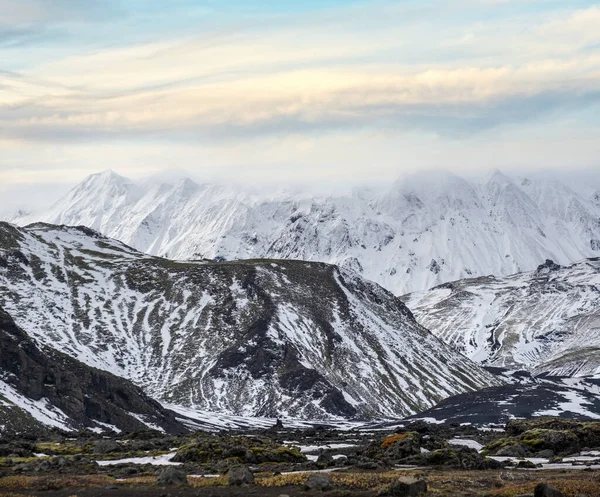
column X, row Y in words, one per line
column 546, row 437
column 516, row 450
column 407, row 487
column 106, row 447
column 498, row 405
column 240, row 475
column 171, row 475
column 237, row 449
column 83, row 393
column 546, row 490
column 318, row 481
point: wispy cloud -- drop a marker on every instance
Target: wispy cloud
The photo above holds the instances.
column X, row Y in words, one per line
column 264, row 75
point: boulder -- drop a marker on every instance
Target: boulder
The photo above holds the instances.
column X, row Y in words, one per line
column 558, row 441
column 546, row 490
column 171, row 475
column 318, row 481
column 240, row 475
column 325, row 460
column 545, row 454
column 106, row 447
column 512, row 451
column 407, row 487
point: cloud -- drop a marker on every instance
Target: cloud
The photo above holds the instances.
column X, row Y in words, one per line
column 44, row 11
column 442, row 100
column 285, row 79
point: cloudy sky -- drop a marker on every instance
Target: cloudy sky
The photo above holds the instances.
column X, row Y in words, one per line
column 314, row 90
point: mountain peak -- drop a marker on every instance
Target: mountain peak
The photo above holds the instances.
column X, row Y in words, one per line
column 498, row 177
column 108, row 176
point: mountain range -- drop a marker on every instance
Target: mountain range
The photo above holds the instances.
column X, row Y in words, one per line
column 255, row 338
column 418, row 232
column 546, row 321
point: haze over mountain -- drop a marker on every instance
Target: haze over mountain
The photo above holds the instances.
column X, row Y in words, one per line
column 420, row 231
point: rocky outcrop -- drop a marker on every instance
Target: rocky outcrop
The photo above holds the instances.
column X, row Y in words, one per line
column 546, row 436
column 79, row 396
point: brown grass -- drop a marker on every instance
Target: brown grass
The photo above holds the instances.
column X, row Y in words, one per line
column 199, row 481
column 390, row 441
column 18, row 482
column 357, row 481
column 571, row 487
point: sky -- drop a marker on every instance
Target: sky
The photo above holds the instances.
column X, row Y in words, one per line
column 327, row 91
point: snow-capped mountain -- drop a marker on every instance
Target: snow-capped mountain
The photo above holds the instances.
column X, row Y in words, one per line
column 547, row 320
column 423, row 230
column 260, row 338
column 41, row 388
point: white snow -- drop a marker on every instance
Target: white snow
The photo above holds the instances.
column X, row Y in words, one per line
column 41, row 410
column 472, row 444
column 423, row 230
column 546, row 321
column 164, row 460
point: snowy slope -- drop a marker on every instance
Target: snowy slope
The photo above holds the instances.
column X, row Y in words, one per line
column 41, row 388
column 260, row 338
column 547, row 320
column 535, row 397
column 423, row 230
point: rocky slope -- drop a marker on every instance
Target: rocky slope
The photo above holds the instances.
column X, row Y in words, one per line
column 260, row 338
column 530, row 397
column 40, row 388
column 547, row 320
column 421, row 231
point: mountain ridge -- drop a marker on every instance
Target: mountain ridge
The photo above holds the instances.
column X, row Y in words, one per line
column 546, row 320
column 256, row 338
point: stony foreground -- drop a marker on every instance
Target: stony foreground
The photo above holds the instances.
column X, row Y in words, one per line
column 412, row 460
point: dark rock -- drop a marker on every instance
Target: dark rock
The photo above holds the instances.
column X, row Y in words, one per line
column 407, row 487
column 549, row 265
column 318, row 481
column 106, row 447
column 171, row 475
column 81, row 392
column 559, row 441
column 516, row 450
column 545, row 490
column 364, row 463
column 240, row 475
column 459, row 458
column 526, row 465
column 324, row 460
column 545, row 454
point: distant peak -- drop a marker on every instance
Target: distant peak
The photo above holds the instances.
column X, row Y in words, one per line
column 186, row 185
column 106, row 176
column 497, row 176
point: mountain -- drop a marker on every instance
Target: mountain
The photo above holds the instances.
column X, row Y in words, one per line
column 547, row 320
column 256, row 338
column 577, row 398
column 41, row 388
column 421, row 231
